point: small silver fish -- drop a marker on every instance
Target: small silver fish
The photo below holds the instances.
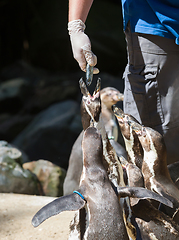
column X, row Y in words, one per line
column 89, row 74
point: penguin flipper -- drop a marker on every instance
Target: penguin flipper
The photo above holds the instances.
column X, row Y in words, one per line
column 70, row 202
column 143, row 193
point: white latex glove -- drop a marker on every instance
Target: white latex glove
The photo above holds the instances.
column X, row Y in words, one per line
column 81, row 45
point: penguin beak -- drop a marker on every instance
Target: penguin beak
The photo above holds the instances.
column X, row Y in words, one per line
column 123, row 161
column 118, row 112
column 136, row 127
column 98, row 87
column 120, row 97
column 91, row 123
column 83, row 88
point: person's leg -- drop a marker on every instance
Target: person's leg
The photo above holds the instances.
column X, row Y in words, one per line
column 152, row 86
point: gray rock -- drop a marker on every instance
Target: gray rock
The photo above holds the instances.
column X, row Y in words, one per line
column 13, row 125
column 13, row 94
column 52, row 133
column 27, row 93
column 9, row 153
column 50, row 176
column 13, row 178
column 14, row 88
column 37, row 88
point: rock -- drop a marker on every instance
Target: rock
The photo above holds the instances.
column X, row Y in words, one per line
column 26, row 91
column 52, row 133
column 50, row 176
column 7, row 149
column 8, row 152
column 13, row 94
column 34, row 89
column 14, row 88
column 52, row 89
column 13, row 125
column 13, row 178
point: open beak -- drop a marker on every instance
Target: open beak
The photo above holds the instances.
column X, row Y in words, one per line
column 83, row 88
column 98, row 87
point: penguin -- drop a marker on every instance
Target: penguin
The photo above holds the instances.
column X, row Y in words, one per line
column 154, row 224
column 132, row 144
column 100, row 214
column 108, row 96
column 75, row 166
column 110, row 158
column 135, row 152
column 92, row 106
column 134, row 147
column 96, row 196
column 154, row 167
column 173, row 169
column 151, row 223
column 111, row 161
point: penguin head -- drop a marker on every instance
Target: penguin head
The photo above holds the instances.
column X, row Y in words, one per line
column 110, row 96
column 123, row 120
column 91, row 105
column 149, row 138
column 134, row 176
column 141, row 132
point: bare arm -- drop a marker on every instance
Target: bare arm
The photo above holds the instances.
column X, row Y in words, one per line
column 79, row 9
column 80, row 42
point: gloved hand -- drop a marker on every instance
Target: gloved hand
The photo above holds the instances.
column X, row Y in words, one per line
column 81, row 45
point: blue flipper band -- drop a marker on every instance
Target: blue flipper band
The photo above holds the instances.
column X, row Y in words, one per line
column 111, row 138
column 79, row 194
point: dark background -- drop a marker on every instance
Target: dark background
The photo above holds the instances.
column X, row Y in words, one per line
column 37, row 69
column 36, row 31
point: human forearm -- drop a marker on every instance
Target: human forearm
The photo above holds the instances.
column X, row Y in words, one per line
column 79, row 9
column 80, row 42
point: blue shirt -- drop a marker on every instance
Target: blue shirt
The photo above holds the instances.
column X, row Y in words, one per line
column 157, row 17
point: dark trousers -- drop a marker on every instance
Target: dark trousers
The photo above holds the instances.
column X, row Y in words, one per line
column 151, row 92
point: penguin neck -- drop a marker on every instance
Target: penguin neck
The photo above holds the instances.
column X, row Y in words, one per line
column 134, row 149
column 93, row 170
column 151, row 157
column 85, row 118
column 129, row 144
column 106, row 113
column 92, row 160
column 156, row 159
column 90, row 111
column 109, row 121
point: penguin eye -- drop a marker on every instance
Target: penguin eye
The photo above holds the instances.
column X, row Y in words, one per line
column 144, row 132
column 109, row 93
column 120, row 120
